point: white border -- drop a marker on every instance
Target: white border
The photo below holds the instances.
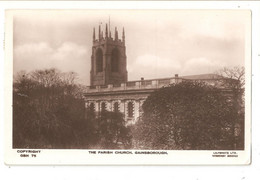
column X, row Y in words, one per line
column 83, row 157
column 148, row 172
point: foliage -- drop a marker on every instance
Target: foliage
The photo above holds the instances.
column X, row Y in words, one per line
column 187, row 115
column 47, row 108
column 49, row 112
column 111, row 131
column 233, row 78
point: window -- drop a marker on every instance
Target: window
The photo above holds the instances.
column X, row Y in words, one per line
column 115, row 60
column 103, row 106
column 92, row 107
column 99, row 60
column 130, row 109
column 116, row 107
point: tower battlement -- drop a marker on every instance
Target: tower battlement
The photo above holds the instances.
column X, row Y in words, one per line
column 109, row 41
column 107, row 36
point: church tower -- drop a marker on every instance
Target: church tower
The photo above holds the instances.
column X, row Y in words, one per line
column 108, row 59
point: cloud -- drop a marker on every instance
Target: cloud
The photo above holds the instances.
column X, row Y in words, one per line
column 69, row 50
column 67, row 57
column 201, row 65
column 151, row 66
column 28, row 49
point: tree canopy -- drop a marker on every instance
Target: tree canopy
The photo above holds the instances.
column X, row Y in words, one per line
column 49, row 112
column 111, row 131
column 187, row 115
column 46, row 106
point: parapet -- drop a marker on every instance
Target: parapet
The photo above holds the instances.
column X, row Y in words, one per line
column 134, row 85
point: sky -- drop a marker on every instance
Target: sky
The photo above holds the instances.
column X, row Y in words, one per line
column 159, row 43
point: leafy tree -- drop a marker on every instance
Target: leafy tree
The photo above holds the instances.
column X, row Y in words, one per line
column 187, row 115
column 110, row 130
column 48, row 111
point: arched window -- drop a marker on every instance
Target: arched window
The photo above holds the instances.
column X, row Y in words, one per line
column 116, row 107
column 115, row 60
column 92, row 107
column 99, row 60
column 130, row 109
column 103, row 106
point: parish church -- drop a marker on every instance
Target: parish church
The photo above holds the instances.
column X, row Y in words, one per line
column 109, row 86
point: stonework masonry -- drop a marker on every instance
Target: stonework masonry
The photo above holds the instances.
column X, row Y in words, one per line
column 108, row 60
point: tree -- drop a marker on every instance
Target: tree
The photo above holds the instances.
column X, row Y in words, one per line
column 110, row 130
column 48, row 111
column 233, row 78
column 187, row 115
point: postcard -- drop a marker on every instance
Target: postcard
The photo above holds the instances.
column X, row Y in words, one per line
column 128, row 87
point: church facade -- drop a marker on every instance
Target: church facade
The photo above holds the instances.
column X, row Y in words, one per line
column 109, row 86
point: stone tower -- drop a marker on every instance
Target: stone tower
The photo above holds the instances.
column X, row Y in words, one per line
column 108, row 59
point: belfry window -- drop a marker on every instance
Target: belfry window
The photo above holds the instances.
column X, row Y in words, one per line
column 116, row 107
column 130, row 109
column 115, row 60
column 99, row 61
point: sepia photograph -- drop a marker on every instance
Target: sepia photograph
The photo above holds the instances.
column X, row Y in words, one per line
column 131, row 81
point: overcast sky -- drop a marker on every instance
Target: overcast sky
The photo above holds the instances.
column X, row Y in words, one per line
column 159, row 43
